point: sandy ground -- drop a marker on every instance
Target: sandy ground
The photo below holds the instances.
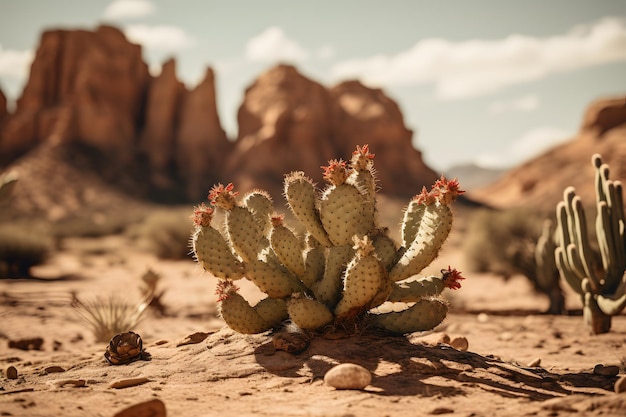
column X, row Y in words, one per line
column 519, row 362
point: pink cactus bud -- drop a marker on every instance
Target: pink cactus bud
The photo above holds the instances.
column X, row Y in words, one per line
column 223, row 196
column 336, row 172
column 426, row 197
column 202, row 215
column 225, row 288
column 447, row 190
column 362, row 158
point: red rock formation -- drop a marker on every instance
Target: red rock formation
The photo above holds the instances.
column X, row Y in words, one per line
column 539, row 183
column 284, row 125
column 3, row 107
column 603, row 115
column 201, row 143
column 157, row 140
column 365, row 115
column 84, row 86
column 288, row 122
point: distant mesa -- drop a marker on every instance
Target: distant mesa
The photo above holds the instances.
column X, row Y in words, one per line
column 90, row 92
column 539, row 183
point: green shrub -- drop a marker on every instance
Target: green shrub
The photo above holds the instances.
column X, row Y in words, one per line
column 503, row 242
column 22, row 246
column 165, row 233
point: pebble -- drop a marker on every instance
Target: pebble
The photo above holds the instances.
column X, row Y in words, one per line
column 152, row 408
column 610, row 370
column 620, row 385
column 460, row 343
column 534, row 363
column 348, row 376
column 53, row 369
column 482, row 318
column 75, row 382
column 12, row 372
column 126, row 383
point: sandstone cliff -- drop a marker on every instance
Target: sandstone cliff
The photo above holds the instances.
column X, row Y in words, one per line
column 288, row 122
column 539, row 183
column 90, row 92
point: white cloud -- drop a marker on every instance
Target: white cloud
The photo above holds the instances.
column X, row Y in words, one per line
column 529, row 145
column 15, row 64
column 477, row 67
column 159, row 38
column 325, row 53
column 273, row 45
column 128, row 9
column 522, row 104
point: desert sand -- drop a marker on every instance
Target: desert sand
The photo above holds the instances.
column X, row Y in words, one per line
column 520, row 362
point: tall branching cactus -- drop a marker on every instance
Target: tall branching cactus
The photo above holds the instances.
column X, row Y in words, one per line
column 602, row 287
column 342, row 268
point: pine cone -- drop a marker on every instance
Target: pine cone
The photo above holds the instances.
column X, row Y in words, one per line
column 125, row 348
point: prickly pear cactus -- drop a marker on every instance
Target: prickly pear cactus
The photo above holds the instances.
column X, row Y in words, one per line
column 343, row 268
column 601, row 285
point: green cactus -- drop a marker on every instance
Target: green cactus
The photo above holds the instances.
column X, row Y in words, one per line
column 342, row 268
column 602, row 287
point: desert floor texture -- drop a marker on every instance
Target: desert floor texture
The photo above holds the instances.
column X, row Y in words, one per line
column 520, row 362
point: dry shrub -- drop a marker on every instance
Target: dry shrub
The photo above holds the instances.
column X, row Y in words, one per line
column 22, row 246
column 165, row 233
column 503, row 242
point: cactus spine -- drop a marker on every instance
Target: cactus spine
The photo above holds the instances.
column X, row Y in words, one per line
column 342, row 268
column 602, row 287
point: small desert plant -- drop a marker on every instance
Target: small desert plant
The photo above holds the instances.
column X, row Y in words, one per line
column 504, row 242
column 345, row 265
column 601, row 282
column 22, row 246
column 165, row 233
column 108, row 316
column 151, row 291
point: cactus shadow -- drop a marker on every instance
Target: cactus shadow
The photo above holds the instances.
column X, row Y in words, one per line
column 402, row 367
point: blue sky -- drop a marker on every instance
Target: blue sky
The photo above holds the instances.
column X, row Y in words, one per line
column 493, row 82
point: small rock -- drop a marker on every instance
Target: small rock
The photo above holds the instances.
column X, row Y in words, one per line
column 127, row 383
column 482, row 318
column 12, row 372
column 534, row 363
column 620, row 385
column 194, row 338
column 610, row 370
column 75, row 382
column 33, row 343
column 53, row 369
column 442, row 410
column 460, row 343
column 152, row 408
column 348, row 376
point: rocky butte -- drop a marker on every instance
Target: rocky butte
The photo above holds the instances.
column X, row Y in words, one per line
column 539, row 183
column 90, row 92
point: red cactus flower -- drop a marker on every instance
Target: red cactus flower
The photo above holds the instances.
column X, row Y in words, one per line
column 426, row 197
column 223, row 196
column 451, row 278
column 362, row 158
column 202, row 215
column 277, row 219
column 225, row 288
column 447, row 189
column 336, row 172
